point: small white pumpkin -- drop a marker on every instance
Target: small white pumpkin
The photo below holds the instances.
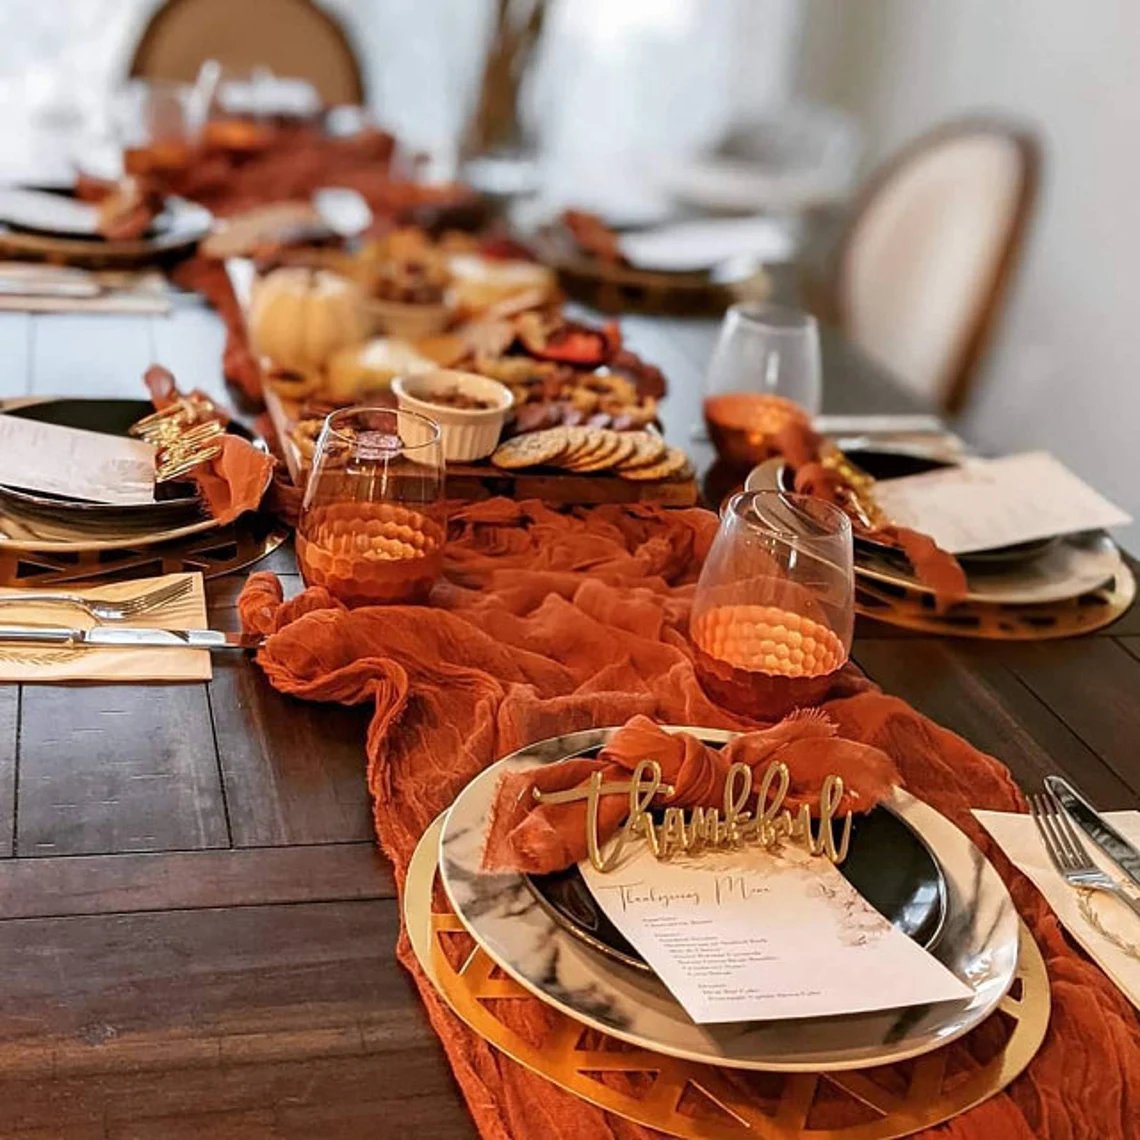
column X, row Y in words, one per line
column 370, row 368
column 299, row 317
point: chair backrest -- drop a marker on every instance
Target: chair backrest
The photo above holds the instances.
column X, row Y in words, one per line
column 930, row 249
column 293, row 38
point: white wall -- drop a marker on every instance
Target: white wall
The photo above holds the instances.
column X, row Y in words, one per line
column 1065, row 372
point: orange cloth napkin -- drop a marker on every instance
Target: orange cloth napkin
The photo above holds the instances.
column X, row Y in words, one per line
column 233, row 482
column 547, row 623
column 934, row 567
column 527, row 836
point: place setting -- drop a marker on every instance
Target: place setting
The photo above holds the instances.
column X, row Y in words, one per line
column 767, row 901
column 1013, row 547
column 112, row 513
column 127, row 229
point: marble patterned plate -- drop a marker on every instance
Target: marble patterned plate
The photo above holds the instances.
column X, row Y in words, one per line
column 979, row 944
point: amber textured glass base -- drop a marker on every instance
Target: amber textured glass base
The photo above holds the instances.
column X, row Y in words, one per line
column 236, row 134
column 156, row 158
column 742, row 425
column 762, row 661
column 367, row 553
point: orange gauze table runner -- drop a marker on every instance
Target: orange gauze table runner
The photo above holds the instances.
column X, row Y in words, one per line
column 547, row 623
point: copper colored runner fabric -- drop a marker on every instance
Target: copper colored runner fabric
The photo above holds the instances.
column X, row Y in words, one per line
column 240, row 365
column 548, row 623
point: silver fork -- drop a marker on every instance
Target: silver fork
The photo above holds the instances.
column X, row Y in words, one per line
column 1069, row 854
column 106, row 611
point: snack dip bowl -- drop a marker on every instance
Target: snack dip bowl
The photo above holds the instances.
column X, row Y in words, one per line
column 470, row 409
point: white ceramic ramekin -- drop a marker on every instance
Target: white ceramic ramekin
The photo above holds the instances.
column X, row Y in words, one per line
column 468, row 433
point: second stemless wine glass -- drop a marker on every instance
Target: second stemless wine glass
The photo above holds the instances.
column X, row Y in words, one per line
column 372, row 526
column 773, row 611
column 158, row 123
column 765, row 372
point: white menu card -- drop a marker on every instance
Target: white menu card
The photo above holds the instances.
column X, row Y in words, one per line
column 79, row 464
column 997, row 502
column 753, row 936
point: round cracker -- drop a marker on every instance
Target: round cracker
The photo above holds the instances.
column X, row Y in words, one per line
column 648, row 449
column 670, row 467
column 606, row 446
column 531, row 449
column 623, row 449
column 582, row 439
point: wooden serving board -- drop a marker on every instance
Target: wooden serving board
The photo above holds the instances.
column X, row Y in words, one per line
column 471, row 482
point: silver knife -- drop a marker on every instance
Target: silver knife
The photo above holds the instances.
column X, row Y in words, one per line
column 120, row 638
column 1096, row 827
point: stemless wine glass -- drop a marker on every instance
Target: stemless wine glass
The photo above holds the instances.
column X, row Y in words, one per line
column 764, row 374
column 158, row 124
column 773, row 611
column 372, row 524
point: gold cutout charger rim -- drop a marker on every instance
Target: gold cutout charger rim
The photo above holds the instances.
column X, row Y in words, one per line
column 980, row 947
column 1084, row 613
column 473, row 993
column 11, row 539
column 218, row 551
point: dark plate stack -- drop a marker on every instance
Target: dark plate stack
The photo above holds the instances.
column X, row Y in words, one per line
column 177, row 504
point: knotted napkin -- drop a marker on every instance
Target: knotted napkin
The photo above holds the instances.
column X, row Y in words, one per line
column 524, row 835
column 232, row 482
column 803, row 449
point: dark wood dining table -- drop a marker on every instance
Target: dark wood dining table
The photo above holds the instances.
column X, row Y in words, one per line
column 197, row 930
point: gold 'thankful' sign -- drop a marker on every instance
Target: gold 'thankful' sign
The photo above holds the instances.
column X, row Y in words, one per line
column 748, row 817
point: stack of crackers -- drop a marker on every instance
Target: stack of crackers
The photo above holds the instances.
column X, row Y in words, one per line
column 640, row 456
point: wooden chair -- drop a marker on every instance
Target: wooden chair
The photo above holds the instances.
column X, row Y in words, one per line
column 925, row 260
column 293, row 38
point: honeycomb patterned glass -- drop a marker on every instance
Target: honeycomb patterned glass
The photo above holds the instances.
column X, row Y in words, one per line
column 773, row 612
column 372, row 525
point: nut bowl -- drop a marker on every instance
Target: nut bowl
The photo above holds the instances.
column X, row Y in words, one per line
column 470, row 409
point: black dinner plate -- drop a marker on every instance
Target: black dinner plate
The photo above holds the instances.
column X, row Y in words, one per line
column 884, row 465
column 178, row 503
column 887, row 863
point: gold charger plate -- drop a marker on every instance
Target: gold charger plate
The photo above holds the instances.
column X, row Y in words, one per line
column 686, row 1099
column 43, row 538
column 220, row 550
column 912, row 609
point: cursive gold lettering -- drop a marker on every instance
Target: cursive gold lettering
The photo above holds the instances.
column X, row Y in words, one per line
column 768, row 824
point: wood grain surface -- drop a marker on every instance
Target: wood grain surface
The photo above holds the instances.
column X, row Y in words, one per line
column 196, row 927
